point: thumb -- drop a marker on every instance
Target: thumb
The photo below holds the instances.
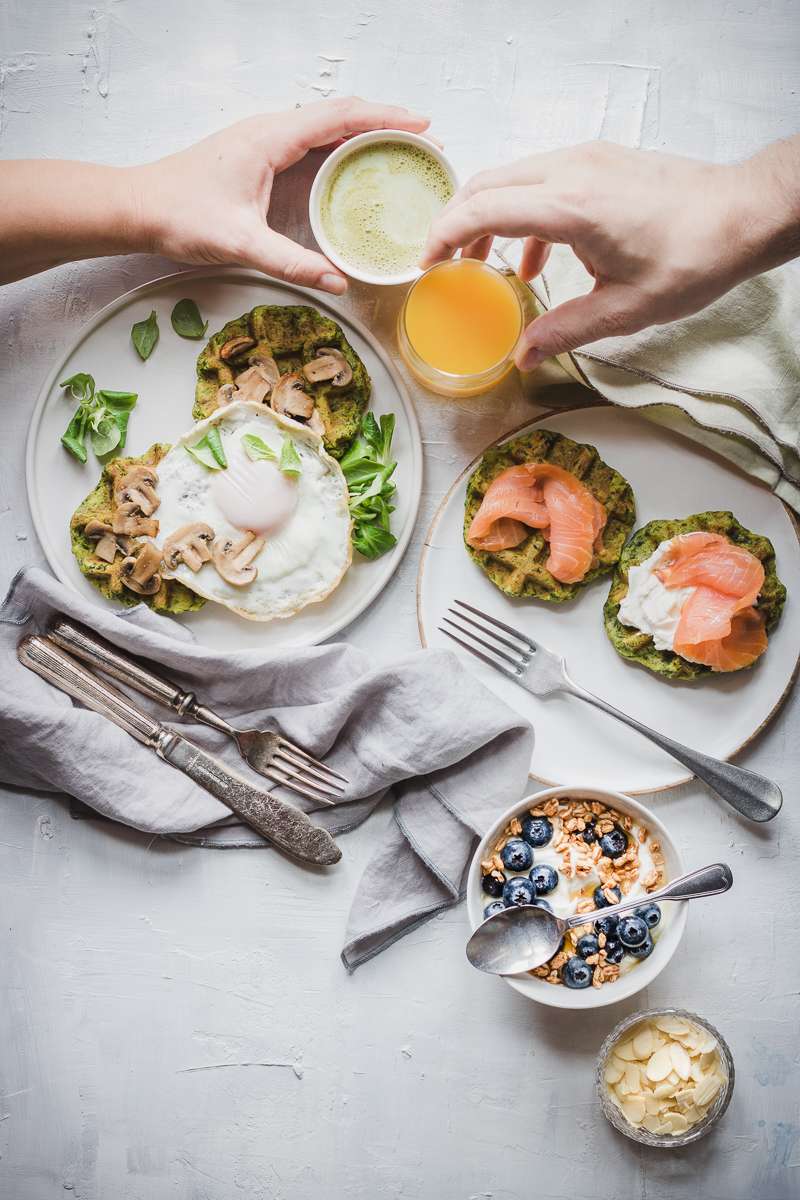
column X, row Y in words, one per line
column 606, row 311
column 277, row 255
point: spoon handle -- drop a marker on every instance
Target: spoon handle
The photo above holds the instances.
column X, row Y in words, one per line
column 705, row 881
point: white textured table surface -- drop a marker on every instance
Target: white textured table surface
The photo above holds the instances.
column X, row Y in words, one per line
column 175, row 1023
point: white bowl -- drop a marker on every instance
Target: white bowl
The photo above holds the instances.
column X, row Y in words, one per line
column 321, row 181
column 673, row 921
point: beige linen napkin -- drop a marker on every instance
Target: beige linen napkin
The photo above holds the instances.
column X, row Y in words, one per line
column 727, row 377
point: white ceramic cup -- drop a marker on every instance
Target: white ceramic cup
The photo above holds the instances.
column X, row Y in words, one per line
column 673, row 921
column 324, row 176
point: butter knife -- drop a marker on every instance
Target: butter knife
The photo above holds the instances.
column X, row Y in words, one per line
column 282, row 824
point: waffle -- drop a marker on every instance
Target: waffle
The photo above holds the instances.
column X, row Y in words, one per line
column 521, row 571
column 637, row 646
column 291, row 334
column 172, row 596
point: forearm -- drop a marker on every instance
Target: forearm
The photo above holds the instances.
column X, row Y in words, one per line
column 770, row 194
column 54, row 212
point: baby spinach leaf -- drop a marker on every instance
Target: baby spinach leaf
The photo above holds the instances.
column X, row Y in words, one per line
column 372, row 541
column 290, row 459
column 214, row 439
column 81, row 386
column 105, row 435
column 74, row 437
column 209, row 450
column 103, row 415
column 119, row 405
column 186, row 320
column 256, row 449
column 144, row 336
column 368, row 471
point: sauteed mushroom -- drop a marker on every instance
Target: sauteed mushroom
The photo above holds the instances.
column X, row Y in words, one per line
column 226, row 394
column 252, row 385
column 236, row 346
column 137, row 486
column 129, row 520
column 289, row 398
column 233, row 560
column 190, row 544
column 330, row 364
column 106, row 547
column 140, row 570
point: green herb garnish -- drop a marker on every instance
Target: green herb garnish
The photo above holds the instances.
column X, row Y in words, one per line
column 368, row 470
column 256, row 449
column 104, row 415
column 209, row 450
column 186, row 320
column 290, row 460
column 144, row 336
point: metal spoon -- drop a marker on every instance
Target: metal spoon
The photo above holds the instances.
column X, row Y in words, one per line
column 525, row 936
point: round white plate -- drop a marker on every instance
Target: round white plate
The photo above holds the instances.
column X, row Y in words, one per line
column 165, row 385
column 671, row 477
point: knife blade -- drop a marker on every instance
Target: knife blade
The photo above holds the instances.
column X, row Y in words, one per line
column 281, row 823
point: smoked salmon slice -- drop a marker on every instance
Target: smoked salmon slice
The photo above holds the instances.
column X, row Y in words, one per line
column 541, row 496
column 718, row 625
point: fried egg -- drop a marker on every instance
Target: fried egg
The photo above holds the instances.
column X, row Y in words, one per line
column 303, row 518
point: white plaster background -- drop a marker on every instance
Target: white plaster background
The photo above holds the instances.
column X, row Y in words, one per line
column 175, row 1023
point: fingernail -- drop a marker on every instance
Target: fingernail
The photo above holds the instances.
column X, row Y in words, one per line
column 333, row 283
column 531, row 359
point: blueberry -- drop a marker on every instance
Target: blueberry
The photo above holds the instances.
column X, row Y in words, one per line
column 607, row 925
column 575, row 973
column 518, row 891
column 632, row 931
column 495, row 907
column 516, row 855
column 600, row 900
column 544, row 879
column 615, row 843
column 538, row 903
column 650, row 914
column 642, row 951
column 614, row 950
column 537, row 831
column 588, row 944
column 492, row 886
column 589, row 834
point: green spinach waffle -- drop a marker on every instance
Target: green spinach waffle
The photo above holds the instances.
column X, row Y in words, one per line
column 291, row 335
column 172, row 596
column 521, row 571
column 637, row 646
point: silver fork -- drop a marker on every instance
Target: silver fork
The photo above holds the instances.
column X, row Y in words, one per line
column 272, row 755
column 541, row 672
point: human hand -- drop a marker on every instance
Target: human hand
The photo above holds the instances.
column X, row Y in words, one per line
column 210, row 203
column 662, row 236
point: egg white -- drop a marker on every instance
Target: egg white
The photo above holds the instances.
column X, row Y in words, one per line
column 303, row 561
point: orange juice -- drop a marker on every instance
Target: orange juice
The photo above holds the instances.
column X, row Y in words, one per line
column 462, row 320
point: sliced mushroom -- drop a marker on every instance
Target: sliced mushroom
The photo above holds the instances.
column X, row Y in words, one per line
column 316, row 423
column 137, row 486
column 267, row 366
column 190, row 544
column 252, row 385
column 140, row 571
column 129, row 520
column 289, row 398
column 330, row 364
column 233, row 559
column 106, row 548
column 226, row 394
column 236, row 346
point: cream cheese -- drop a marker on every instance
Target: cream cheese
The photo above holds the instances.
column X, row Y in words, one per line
column 651, row 607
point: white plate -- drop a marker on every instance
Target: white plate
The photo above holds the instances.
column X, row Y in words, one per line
column 671, row 477
column 165, row 384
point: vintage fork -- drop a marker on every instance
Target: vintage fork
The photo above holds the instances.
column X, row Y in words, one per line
column 541, row 672
column 272, row 755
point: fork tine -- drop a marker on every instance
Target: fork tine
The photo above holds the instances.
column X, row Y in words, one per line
column 490, row 633
column 500, row 624
column 298, row 770
column 517, row 663
column 312, row 762
column 479, row 654
column 278, row 777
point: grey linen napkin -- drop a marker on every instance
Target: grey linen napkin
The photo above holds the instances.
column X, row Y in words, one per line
column 455, row 754
column 727, row 376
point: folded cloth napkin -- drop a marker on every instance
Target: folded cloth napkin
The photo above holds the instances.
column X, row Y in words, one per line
column 727, row 376
column 455, row 753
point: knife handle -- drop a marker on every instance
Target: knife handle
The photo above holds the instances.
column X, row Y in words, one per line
column 41, row 655
column 100, row 654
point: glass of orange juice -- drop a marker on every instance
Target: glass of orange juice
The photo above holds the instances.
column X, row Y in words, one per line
column 459, row 325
